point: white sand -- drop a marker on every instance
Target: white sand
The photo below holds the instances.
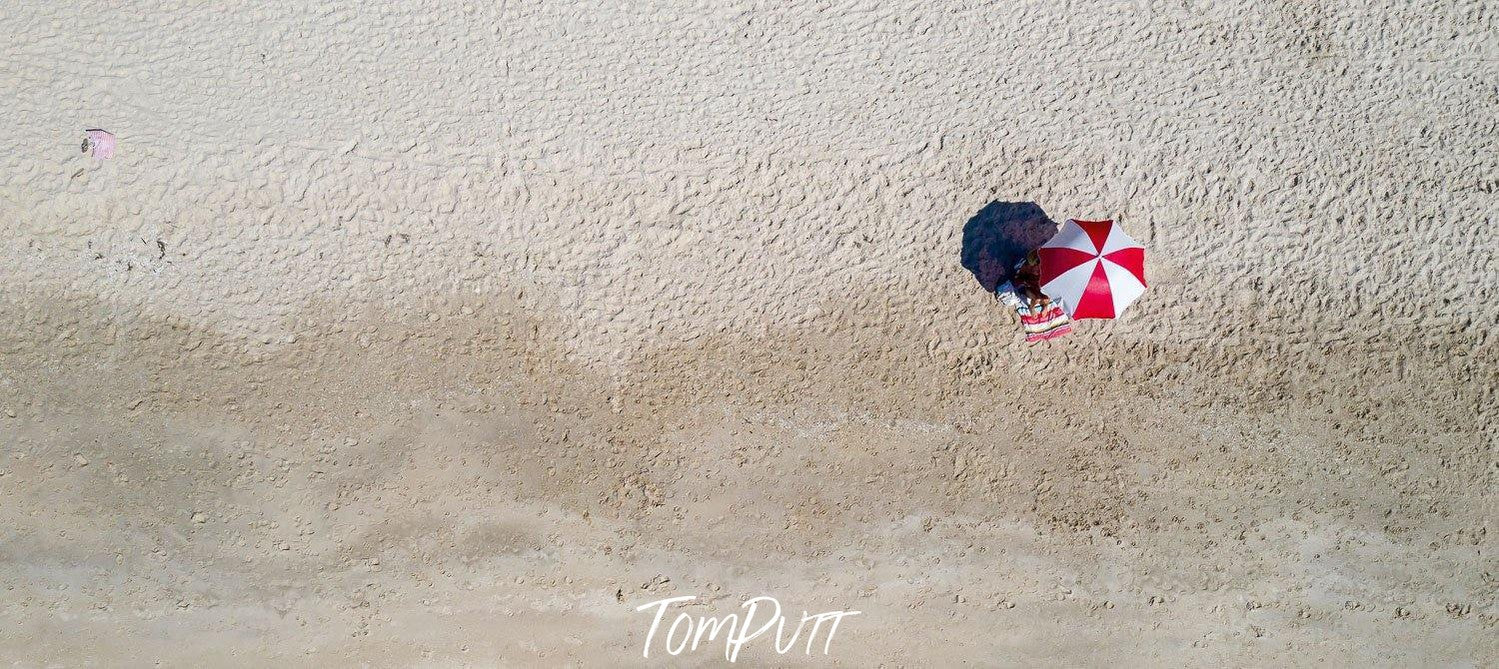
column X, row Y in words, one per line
column 445, row 335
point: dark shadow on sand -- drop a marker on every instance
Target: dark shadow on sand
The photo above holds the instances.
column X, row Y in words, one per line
column 999, row 236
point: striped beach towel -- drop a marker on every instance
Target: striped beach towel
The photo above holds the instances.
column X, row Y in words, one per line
column 1043, row 321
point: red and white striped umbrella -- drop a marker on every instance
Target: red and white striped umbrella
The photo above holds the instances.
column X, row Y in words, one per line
column 1092, row 268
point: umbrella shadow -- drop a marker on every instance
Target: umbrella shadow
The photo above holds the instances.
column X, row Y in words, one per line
column 999, row 236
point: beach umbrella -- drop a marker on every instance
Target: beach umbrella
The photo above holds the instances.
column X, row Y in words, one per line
column 1093, row 268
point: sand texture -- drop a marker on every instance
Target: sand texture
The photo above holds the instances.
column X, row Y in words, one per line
column 441, row 334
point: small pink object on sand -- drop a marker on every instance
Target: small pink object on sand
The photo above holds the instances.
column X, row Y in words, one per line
column 99, row 143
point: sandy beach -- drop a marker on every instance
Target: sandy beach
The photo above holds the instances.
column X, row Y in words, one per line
column 430, row 334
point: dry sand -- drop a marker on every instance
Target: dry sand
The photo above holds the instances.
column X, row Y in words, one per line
column 428, row 334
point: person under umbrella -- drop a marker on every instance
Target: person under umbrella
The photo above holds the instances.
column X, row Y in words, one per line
column 1040, row 318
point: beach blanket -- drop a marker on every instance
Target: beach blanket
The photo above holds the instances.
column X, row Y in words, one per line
column 1042, row 322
